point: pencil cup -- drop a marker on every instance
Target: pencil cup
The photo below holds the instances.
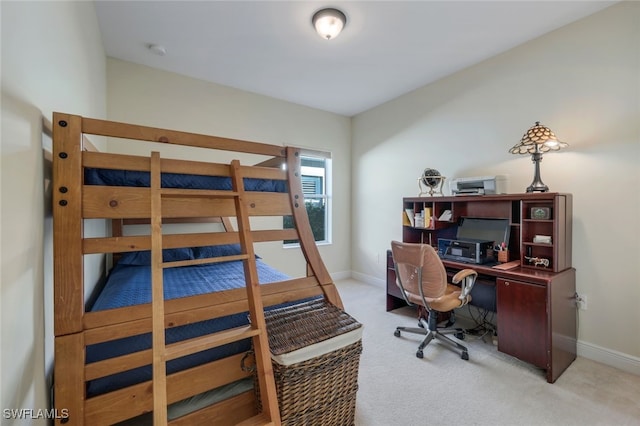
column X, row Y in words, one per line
column 503, row 256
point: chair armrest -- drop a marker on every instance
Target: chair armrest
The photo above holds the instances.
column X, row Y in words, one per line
column 466, row 278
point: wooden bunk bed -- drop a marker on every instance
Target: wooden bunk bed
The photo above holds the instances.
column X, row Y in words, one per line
column 83, row 335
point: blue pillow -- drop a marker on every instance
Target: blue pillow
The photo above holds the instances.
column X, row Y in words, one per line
column 143, row 258
column 216, row 251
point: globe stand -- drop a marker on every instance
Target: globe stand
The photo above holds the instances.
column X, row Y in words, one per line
column 432, row 185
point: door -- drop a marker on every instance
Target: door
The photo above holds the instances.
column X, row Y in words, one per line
column 522, row 321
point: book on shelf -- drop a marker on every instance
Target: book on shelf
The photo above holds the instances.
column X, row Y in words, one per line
column 409, row 215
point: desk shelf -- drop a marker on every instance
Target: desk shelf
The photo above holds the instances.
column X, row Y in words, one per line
column 556, row 225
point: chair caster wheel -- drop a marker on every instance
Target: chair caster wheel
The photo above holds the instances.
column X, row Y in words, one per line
column 465, row 355
column 396, row 333
column 420, row 355
column 460, row 335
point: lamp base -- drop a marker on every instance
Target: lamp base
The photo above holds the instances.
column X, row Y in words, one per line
column 538, row 187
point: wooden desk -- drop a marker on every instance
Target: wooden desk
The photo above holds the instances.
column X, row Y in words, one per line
column 536, row 312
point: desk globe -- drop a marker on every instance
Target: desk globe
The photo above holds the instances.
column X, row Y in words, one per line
column 430, row 183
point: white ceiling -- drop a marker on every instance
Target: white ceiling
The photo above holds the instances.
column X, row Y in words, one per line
column 387, row 48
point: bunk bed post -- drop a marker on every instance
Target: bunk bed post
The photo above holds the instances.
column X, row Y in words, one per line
column 301, row 219
column 68, row 374
column 67, row 224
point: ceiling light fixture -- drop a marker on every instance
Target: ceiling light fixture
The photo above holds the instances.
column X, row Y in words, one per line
column 329, row 22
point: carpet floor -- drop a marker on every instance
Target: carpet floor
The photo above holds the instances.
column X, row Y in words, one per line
column 397, row 388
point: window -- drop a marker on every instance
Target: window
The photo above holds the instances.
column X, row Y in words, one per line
column 316, row 187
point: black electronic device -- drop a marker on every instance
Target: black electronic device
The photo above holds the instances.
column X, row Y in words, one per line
column 476, row 240
column 468, row 251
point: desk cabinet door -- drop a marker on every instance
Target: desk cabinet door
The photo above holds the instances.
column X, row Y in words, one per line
column 522, row 321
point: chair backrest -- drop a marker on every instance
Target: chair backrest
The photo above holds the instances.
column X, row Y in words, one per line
column 409, row 258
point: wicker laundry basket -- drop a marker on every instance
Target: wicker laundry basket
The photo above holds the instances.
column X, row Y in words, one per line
column 315, row 351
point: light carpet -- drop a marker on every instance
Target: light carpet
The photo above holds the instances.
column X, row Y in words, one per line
column 397, row 388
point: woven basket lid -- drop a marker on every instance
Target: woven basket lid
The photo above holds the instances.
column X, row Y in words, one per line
column 296, row 326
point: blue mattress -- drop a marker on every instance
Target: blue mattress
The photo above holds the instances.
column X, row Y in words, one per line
column 112, row 177
column 130, row 284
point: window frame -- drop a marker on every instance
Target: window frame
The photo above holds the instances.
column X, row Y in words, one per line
column 325, row 195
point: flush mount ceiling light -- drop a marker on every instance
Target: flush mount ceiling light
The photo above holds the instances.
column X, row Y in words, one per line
column 329, row 22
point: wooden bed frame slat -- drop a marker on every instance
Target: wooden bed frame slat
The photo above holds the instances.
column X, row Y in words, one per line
column 143, row 242
column 196, row 380
column 198, row 344
column 110, row 202
column 101, row 160
column 119, row 405
column 227, row 413
column 115, row 328
column 151, row 134
column 96, row 370
column 220, row 303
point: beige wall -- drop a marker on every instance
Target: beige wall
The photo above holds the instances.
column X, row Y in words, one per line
column 583, row 82
column 138, row 94
column 52, row 60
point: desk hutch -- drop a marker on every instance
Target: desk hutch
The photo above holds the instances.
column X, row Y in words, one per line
column 535, row 303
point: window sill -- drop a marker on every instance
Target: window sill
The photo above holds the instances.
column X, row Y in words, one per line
column 297, row 245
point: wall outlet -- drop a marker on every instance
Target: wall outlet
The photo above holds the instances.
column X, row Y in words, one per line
column 581, row 301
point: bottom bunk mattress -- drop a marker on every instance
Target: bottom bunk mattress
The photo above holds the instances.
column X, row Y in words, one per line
column 129, row 283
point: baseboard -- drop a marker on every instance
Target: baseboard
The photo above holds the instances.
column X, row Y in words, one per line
column 615, row 359
column 368, row 279
column 619, row 360
column 335, row 276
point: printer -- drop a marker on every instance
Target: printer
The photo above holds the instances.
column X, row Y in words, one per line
column 467, row 250
column 477, row 185
column 475, row 240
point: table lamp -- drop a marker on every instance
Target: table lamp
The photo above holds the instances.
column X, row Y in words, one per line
column 537, row 140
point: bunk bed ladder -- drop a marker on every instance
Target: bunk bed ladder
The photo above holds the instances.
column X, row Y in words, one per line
column 162, row 353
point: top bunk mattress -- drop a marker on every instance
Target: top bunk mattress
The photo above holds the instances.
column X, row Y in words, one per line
column 112, row 177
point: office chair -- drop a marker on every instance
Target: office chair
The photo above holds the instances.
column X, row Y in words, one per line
column 422, row 279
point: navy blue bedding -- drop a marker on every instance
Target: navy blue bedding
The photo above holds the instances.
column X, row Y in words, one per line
column 131, row 285
column 112, row 177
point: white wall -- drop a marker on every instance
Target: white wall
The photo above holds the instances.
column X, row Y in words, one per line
column 583, row 82
column 142, row 95
column 52, row 60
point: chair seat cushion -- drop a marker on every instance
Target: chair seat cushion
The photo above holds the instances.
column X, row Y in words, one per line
column 445, row 303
